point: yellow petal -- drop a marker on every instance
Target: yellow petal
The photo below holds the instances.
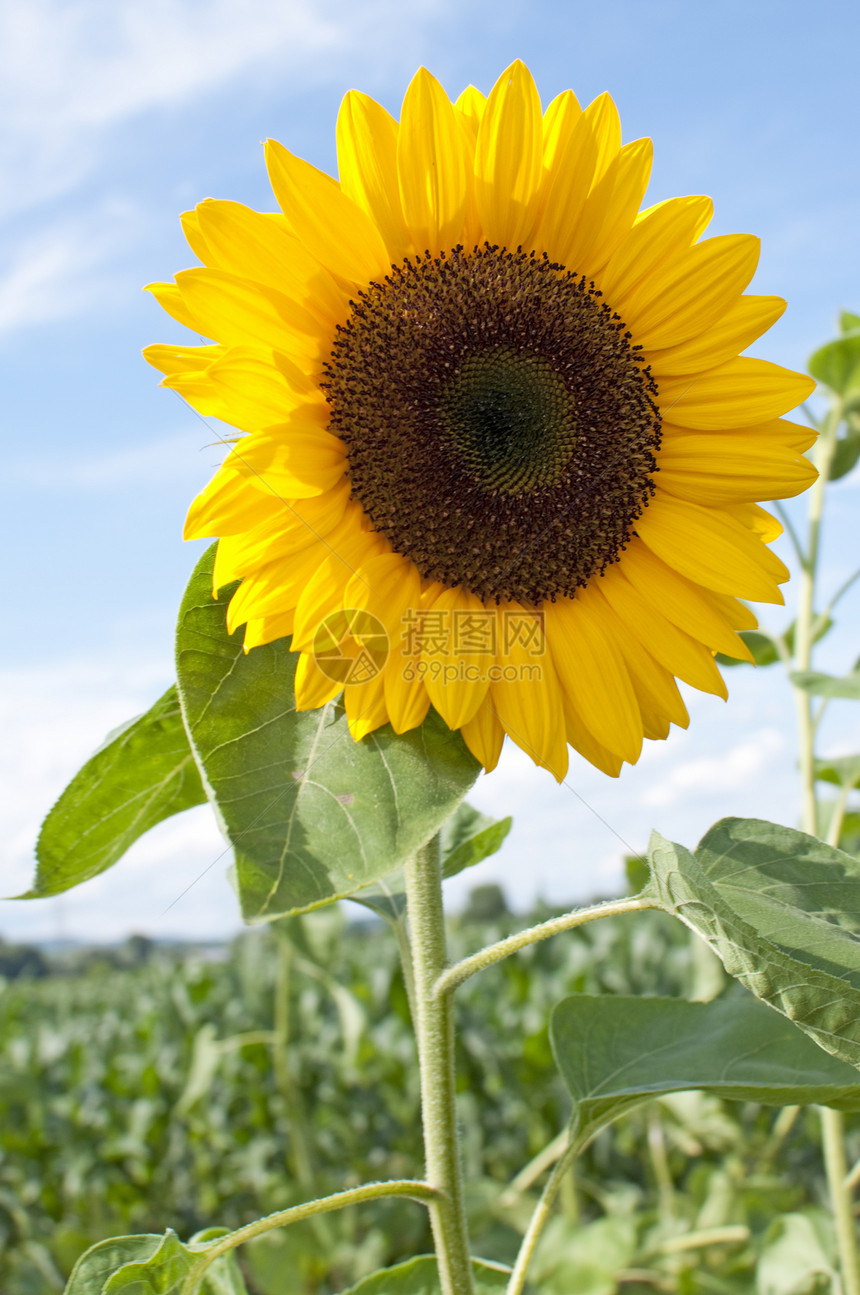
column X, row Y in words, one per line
column 509, row 158
column 298, row 524
column 457, row 659
column 198, row 390
column 365, row 706
column 431, row 165
column 406, row 698
column 388, row 587
column 240, row 312
column 194, row 235
column 756, row 519
column 268, row 629
column 228, row 506
column 739, row 327
column 592, row 673
column 278, row 585
column 687, row 294
column 711, row 548
column 559, row 121
column 313, row 688
column 657, row 234
column 331, row 226
column 605, row 123
column 737, row 394
column 259, row 246
column 581, row 158
column 686, row 605
column 527, row 698
column 660, row 702
column 583, row 740
column 170, row 299
column 181, row 359
column 677, row 651
column 484, row 736
column 608, row 214
column 367, row 165
column 470, row 107
column 295, row 460
column 711, row 469
column 260, row 388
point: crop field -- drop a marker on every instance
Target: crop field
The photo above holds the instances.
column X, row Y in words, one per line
column 145, row 1088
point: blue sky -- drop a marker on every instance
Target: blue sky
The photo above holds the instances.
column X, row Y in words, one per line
column 119, row 114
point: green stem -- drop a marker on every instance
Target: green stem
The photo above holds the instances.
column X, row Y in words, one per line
column 803, row 638
column 434, row 1032
column 832, row 1124
column 455, row 975
column 833, row 1139
column 417, row 1191
column 540, row 1217
column 301, row 1156
column 788, row 525
column 834, row 831
column 660, row 1165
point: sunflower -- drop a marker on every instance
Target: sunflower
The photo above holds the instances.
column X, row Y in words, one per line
column 492, row 413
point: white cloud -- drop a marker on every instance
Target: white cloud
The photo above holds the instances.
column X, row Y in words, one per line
column 713, row 775
column 62, row 269
column 151, row 463
column 53, row 718
column 69, row 70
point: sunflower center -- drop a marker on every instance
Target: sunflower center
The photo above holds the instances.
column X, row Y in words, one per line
column 500, row 428
column 510, row 416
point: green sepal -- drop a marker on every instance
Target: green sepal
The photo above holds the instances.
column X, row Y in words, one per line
column 141, row 774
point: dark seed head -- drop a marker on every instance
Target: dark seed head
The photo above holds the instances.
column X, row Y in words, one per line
column 500, row 428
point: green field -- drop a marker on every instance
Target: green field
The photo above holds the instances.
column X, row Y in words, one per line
column 144, row 1088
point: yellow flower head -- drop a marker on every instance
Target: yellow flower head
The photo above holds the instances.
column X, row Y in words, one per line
column 500, row 454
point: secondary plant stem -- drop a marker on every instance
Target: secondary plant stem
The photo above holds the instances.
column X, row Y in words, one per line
column 455, row 975
column 833, row 1139
column 418, row 1191
column 434, row 1032
column 832, row 1123
column 539, row 1218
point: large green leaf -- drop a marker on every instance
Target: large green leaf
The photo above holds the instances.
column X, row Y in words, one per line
column 842, row 770
column 419, row 1277
column 761, row 645
column 151, row 1265
column 837, row 364
column 143, row 773
column 828, row 685
column 312, row 814
column 781, row 909
column 615, row 1052
column 846, row 452
column 468, row 837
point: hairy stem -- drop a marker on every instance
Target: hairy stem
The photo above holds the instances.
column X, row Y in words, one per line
column 455, row 975
column 540, row 1217
column 434, row 1032
column 832, row 1123
column 833, row 1141
column 418, row 1191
